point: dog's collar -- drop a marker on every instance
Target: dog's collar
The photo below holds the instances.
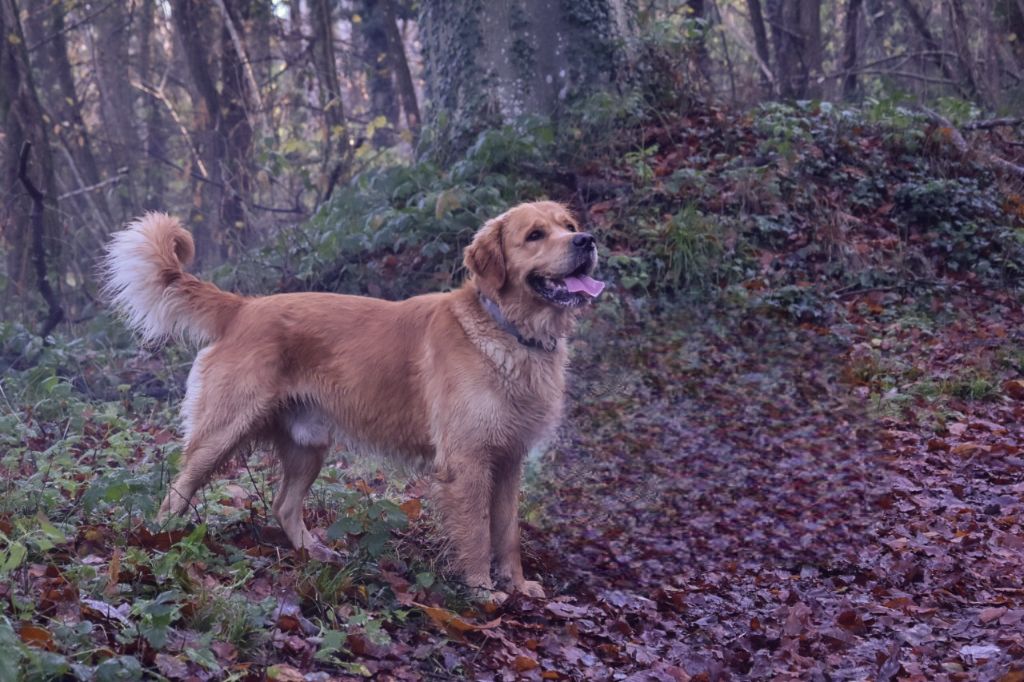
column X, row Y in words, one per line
column 506, row 326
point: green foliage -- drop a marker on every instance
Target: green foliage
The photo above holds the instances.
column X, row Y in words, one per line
column 962, row 223
column 665, row 69
column 400, row 229
column 371, row 521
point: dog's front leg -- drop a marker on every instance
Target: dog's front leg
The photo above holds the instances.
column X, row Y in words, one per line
column 505, row 526
column 462, row 489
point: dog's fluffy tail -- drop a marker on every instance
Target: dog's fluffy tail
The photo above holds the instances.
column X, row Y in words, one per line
column 145, row 280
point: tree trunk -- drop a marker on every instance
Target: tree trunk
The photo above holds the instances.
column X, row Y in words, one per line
column 117, row 100
column 23, row 121
column 156, row 140
column 485, row 67
column 761, row 43
column 379, row 69
column 699, row 11
column 337, row 150
column 236, row 130
column 850, row 49
column 796, row 34
column 197, row 30
column 810, row 47
column 406, row 88
column 961, row 32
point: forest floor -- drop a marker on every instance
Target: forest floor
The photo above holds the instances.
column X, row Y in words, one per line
column 734, row 496
column 768, row 500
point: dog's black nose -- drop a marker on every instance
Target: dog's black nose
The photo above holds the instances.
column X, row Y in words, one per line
column 584, row 240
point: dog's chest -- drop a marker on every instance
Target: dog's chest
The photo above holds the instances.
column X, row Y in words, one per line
column 533, row 388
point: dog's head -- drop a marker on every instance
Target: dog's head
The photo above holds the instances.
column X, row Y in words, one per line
column 533, row 260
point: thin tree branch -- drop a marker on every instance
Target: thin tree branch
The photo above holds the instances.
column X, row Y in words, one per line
column 82, row 190
column 71, row 27
column 158, row 94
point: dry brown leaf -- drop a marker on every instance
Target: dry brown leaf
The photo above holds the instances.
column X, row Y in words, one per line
column 412, row 508
column 453, row 622
column 284, row 673
column 36, row 636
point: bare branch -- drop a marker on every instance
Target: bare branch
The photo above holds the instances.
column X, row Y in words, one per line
column 158, row 94
column 82, row 190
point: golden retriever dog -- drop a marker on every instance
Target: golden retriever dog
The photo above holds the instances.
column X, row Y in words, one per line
column 465, row 381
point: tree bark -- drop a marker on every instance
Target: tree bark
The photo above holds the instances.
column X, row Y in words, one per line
column 117, row 100
column 853, row 8
column 760, row 42
column 197, row 29
column 400, row 62
column 377, row 55
column 154, row 188
column 810, row 47
column 485, row 67
column 961, row 32
column 699, row 11
column 337, row 150
column 235, row 128
column 796, row 37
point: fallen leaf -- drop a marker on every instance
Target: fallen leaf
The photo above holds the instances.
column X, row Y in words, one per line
column 453, row 622
column 171, row 666
column 1014, row 388
column 36, row 636
column 976, row 652
column 567, row 611
column 990, row 614
column 412, row 508
column 284, row 673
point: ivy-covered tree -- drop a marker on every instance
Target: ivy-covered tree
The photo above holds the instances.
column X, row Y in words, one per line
column 489, row 63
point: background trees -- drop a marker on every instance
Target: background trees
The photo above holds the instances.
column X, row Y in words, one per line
column 245, row 116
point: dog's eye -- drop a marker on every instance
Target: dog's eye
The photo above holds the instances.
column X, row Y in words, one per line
column 535, row 235
column 570, row 227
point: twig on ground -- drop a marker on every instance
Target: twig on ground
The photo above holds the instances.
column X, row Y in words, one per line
column 994, row 123
column 956, row 138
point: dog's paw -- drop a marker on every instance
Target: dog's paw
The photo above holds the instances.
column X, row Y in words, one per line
column 484, row 595
column 531, row 588
column 323, row 553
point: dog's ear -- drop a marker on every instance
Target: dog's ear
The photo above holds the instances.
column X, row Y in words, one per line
column 485, row 256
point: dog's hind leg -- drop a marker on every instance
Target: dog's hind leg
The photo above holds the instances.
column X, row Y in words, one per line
column 300, row 465
column 203, row 455
column 221, row 419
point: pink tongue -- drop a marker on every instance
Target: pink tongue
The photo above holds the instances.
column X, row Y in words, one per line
column 591, row 286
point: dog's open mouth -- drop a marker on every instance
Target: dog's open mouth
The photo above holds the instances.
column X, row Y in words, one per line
column 571, row 290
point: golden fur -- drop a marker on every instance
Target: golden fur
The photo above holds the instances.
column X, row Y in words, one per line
column 436, row 378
